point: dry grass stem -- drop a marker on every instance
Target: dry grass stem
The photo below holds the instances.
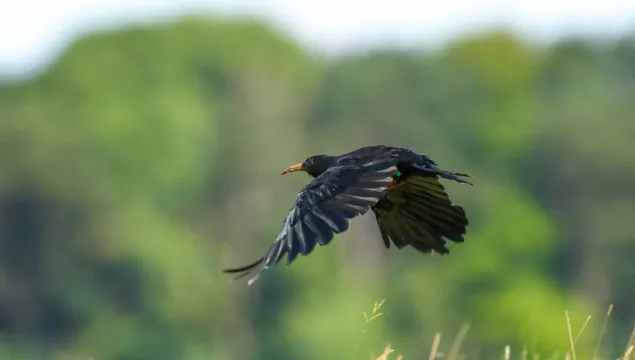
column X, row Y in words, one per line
column 435, row 346
column 375, row 313
column 571, row 341
column 602, row 331
column 367, row 320
column 458, row 340
column 387, row 351
column 588, row 318
column 455, row 348
column 629, row 345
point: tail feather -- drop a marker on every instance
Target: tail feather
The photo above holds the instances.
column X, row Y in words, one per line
column 255, row 269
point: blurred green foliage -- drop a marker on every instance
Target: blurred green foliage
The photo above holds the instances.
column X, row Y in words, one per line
column 145, row 160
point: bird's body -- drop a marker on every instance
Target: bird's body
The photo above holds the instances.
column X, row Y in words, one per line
column 401, row 187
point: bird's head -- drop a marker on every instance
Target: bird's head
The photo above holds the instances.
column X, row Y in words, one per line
column 314, row 165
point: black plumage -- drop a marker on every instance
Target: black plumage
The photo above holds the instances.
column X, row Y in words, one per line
column 401, row 187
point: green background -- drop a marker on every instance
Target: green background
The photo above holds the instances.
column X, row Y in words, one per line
column 145, row 160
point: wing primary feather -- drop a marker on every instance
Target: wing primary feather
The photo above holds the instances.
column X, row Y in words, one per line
column 381, row 174
column 293, row 242
column 325, row 235
column 331, row 219
column 313, row 228
column 356, row 200
column 450, row 215
column 309, row 244
column 365, row 192
column 441, row 216
column 275, row 254
column 349, row 210
column 373, row 184
column 431, row 202
column 304, row 235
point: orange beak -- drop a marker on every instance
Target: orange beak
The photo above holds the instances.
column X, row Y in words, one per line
column 292, row 168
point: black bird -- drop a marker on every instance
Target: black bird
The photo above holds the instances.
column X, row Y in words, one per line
column 400, row 186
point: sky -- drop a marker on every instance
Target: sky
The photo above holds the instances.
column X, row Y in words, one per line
column 34, row 32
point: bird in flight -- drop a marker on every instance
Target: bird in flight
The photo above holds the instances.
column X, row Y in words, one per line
column 401, row 187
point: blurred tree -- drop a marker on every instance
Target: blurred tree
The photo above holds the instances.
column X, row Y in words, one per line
column 582, row 170
column 104, row 154
column 146, row 159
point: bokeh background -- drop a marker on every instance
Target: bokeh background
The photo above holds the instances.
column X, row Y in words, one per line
column 141, row 145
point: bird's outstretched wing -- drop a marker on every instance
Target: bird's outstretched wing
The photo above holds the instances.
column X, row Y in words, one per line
column 322, row 209
column 418, row 212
